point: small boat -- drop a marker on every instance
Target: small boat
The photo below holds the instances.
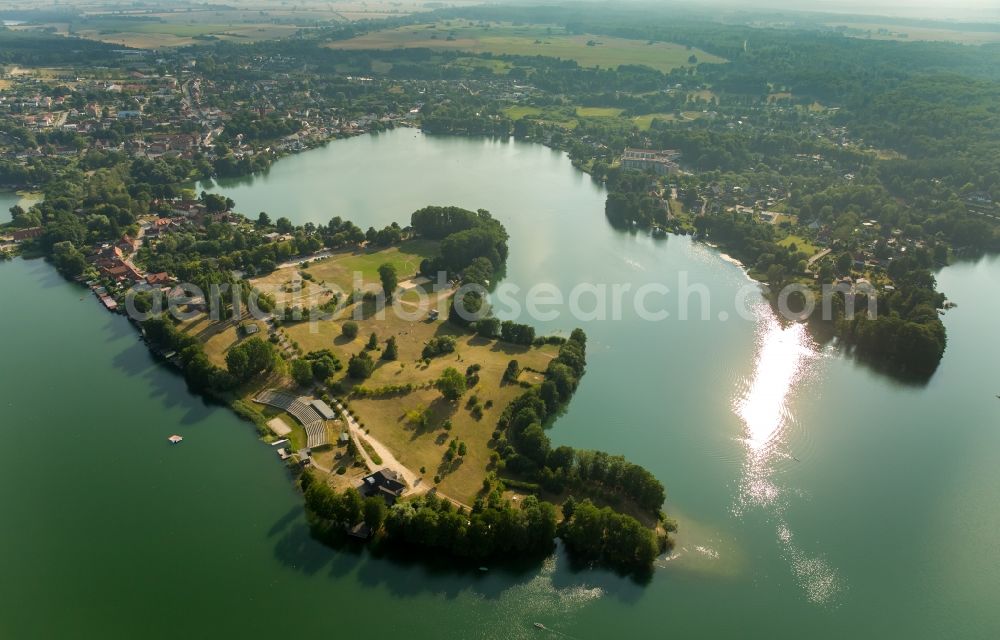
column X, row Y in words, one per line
column 539, row 625
column 484, row 568
column 174, row 439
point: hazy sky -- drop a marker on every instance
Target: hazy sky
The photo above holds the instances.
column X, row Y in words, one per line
column 952, row 10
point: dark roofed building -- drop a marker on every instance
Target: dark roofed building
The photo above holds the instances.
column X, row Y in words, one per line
column 27, row 234
column 384, row 482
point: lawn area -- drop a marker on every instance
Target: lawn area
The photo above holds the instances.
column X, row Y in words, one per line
column 645, row 122
column 340, row 269
column 563, row 116
column 598, row 112
column 337, row 273
column 530, row 40
column 516, row 112
column 496, row 66
column 802, row 243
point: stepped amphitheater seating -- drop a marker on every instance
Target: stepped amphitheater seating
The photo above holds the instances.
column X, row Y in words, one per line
column 311, row 420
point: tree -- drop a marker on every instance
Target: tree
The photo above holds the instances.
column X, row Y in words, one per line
column 511, row 373
column 391, row 351
column 488, row 327
column 263, row 220
column 844, row 262
column 250, row 358
column 284, row 225
column 349, row 329
column 361, row 366
column 68, row 259
column 302, row 372
column 451, row 384
column 375, row 512
column 387, row 273
column 372, row 342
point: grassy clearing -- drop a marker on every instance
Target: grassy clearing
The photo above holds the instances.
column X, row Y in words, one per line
column 562, row 116
column 516, row 112
column 499, row 67
column 598, row 112
column 340, row 269
column 803, row 244
column 530, row 40
column 645, row 122
column 337, row 273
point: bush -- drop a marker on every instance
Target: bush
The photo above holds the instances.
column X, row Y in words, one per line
column 349, row 329
column 438, row 346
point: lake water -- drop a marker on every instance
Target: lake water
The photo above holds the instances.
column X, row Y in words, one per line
column 816, row 498
column 9, row 198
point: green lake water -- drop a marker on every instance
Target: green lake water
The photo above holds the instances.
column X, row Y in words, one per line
column 816, row 498
column 9, row 198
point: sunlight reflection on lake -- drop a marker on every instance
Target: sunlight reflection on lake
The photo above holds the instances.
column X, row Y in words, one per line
column 785, row 355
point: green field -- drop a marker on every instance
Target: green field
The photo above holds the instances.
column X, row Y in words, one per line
column 529, row 40
column 340, row 269
column 563, row 116
column 803, row 244
column 645, row 121
column 598, row 112
column 172, row 31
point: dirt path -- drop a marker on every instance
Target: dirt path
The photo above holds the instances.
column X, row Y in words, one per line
column 414, row 481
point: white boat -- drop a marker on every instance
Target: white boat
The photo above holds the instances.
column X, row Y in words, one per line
column 174, row 439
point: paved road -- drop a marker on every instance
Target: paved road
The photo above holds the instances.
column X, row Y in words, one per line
column 818, row 256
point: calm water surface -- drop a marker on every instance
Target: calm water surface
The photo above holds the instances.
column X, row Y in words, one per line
column 816, row 498
column 9, row 198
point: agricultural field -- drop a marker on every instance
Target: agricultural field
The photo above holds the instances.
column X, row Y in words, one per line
column 530, row 40
column 888, row 31
column 180, row 28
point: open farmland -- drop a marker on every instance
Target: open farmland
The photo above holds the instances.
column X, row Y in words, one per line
column 530, row 40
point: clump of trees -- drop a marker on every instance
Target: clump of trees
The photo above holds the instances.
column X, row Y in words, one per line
column 201, row 375
column 451, row 384
column 605, row 536
column 495, row 528
column 439, row 346
column 361, row 366
column 250, row 358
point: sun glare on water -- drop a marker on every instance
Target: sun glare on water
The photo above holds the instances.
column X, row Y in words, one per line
column 784, row 357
